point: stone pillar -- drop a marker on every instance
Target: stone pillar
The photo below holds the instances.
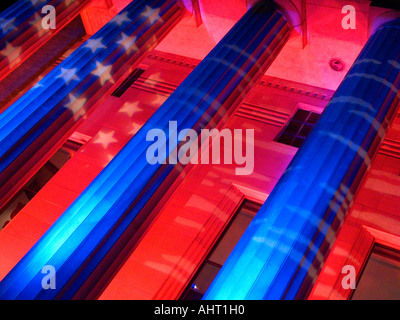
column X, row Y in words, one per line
column 38, row 123
column 81, row 240
column 284, row 246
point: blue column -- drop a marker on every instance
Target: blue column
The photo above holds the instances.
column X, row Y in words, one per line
column 285, row 243
column 43, row 118
column 89, row 229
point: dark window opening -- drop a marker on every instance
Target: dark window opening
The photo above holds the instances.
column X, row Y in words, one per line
column 128, row 82
column 380, row 279
column 390, row 4
column 220, row 252
column 38, row 181
column 299, row 128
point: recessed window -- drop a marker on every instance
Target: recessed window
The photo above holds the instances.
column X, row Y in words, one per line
column 219, row 254
column 380, row 279
column 38, row 181
column 299, row 127
column 128, row 82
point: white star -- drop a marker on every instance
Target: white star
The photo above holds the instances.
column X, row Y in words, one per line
column 110, row 156
column 6, row 25
column 129, row 43
column 35, row 19
column 10, row 49
column 135, row 128
column 121, row 18
column 37, row 85
column 105, row 139
column 130, row 108
column 68, row 75
column 159, row 100
column 103, row 72
column 69, row 2
column 35, row 2
column 94, row 44
column 152, row 43
column 151, row 14
column 37, row 23
column 76, row 106
column 13, row 54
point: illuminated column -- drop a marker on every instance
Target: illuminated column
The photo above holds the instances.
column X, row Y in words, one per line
column 22, row 33
column 79, row 244
column 285, row 244
column 37, row 124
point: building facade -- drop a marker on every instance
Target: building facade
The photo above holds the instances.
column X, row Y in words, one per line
column 200, row 149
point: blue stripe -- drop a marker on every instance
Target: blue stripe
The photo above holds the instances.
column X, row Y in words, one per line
column 271, row 260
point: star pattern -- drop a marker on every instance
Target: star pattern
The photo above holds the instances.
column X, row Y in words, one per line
column 36, row 18
column 152, row 43
column 94, row 44
column 7, row 25
column 12, row 54
column 36, row 22
column 119, row 19
column 35, row 2
column 103, row 72
column 68, row 75
column 10, row 49
column 76, row 106
column 159, row 100
column 130, row 108
column 105, row 139
column 151, row 14
column 135, row 128
column 39, row 84
column 129, row 43
column 69, row 2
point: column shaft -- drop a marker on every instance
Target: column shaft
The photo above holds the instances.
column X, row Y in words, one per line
column 285, row 244
column 37, row 124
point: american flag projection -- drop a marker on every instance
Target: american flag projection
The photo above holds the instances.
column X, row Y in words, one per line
column 199, row 149
column 92, row 226
column 48, row 113
column 325, row 167
column 22, row 33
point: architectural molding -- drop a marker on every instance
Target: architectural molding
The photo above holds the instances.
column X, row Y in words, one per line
column 296, row 88
column 357, row 256
column 263, row 114
column 178, row 280
column 287, row 86
column 390, row 147
column 173, row 59
column 154, row 86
